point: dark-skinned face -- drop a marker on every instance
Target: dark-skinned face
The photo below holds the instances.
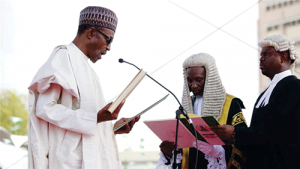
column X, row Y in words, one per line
column 270, row 62
column 98, row 44
column 196, row 79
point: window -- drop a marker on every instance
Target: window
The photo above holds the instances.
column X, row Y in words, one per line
column 286, row 24
column 269, row 29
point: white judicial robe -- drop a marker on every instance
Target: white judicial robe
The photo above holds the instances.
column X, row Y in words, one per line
column 64, row 98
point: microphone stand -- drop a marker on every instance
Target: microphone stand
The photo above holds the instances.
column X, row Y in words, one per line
column 178, row 112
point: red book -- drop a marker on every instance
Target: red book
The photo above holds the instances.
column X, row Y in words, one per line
column 166, row 130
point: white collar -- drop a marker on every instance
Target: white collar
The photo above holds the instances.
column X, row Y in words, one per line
column 264, row 100
column 198, row 105
column 280, row 76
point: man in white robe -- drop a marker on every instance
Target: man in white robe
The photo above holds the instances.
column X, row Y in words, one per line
column 69, row 125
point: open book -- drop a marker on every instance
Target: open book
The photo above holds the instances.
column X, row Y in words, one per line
column 166, row 130
column 131, row 86
column 148, row 108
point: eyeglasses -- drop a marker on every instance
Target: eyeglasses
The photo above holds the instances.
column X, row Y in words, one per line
column 108, row 39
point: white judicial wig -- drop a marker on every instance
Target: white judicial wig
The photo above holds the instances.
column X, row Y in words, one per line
column 214, row 94
column 281, row 43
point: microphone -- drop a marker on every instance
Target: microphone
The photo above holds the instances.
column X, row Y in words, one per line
column 181, row 107
column 121, row 61
column 177, row 114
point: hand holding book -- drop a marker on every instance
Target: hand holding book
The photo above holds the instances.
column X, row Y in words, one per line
column 126, row 92
column 166, row 129
column 105, row 115
column 118, row 126
column 225, row 132
column 127, row 127
column 167, row 147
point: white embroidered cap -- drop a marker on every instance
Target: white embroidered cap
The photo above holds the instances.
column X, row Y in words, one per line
column 98, row 16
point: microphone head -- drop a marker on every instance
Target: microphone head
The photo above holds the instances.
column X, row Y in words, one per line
column 121, row 60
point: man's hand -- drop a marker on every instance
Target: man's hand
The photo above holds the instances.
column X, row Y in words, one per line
column 166, row 147
column 225, row 132
column 105, row 115
column 127, row 127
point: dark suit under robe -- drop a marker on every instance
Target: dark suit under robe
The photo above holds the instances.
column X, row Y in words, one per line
column 273, row 138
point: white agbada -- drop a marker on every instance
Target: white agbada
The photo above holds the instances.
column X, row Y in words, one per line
column 64, row 98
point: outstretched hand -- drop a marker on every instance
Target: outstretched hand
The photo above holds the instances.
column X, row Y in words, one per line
column 105, row 115
column 127, row 127
column 225, row 132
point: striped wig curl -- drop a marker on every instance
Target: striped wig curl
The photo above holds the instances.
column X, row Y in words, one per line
column 214, row 93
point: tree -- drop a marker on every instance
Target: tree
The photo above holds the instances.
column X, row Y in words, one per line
column 13, row 112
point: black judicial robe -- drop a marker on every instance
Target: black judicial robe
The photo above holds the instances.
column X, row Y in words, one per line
column 236, row 107
column 273, row 138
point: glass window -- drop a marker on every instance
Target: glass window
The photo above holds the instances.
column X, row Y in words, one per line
column 269, row 29
column 286, row 24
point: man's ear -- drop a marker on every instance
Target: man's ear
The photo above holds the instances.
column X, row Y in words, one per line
column 91, row 32
column 284, row 57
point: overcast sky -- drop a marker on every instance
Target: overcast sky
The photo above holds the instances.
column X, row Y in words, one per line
column 156, row 35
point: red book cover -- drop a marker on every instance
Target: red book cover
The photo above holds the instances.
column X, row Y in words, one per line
column 166, row 130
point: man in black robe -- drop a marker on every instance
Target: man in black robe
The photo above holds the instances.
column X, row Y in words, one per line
column 209, row 98
column 273, row 138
